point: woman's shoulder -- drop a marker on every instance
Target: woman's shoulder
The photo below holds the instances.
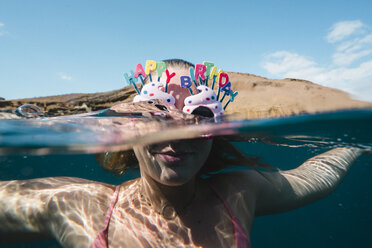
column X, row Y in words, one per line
column 68, row 194
column 231, row 181
column 57, row 189
column 237, row 191
column 235, row 185
column 60, row 183
column 73, row 185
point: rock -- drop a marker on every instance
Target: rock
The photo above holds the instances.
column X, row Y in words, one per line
column 70, row 104
column 258, row 97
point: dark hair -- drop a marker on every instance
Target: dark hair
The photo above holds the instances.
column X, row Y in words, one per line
column 223, row 155
column 172, row 62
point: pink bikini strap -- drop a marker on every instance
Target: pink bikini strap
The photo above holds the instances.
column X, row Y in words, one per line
column 241, row 238
column 101, row 240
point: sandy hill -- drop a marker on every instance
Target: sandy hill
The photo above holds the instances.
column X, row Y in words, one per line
column 261, row 97
column 258, row 97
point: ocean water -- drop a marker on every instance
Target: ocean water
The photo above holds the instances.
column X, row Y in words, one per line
column 65, row 147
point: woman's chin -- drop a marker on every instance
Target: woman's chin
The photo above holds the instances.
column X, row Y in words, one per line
column 175, row 176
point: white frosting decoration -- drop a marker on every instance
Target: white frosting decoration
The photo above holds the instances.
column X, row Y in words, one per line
column 205, row 98
column 151, row 91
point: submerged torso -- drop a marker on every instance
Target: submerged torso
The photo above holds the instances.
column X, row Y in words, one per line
column 133, row 223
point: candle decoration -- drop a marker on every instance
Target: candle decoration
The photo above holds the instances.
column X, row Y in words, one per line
column 200, row 72
column 131, row 80
column 150, row 66
column 208, row 66
column 192, row 75
column 215, row 75
column 227, row 89
column 206, row 97
column 169, row 77
column 160, row 68
column 186, row 83
column 140, row 72
column 233, row 95
column 152, row 91
column 202, row 82
column 222, row 76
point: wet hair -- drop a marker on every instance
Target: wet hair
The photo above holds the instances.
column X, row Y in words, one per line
column 178, row 62
column 223, row 154
column 173, row 63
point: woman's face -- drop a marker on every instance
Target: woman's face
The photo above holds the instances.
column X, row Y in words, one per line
column 173, row 163
column 177, row 162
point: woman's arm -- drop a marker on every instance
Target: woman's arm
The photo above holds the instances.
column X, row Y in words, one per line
column 23, row 210
column 316, row 178
column 38, row 208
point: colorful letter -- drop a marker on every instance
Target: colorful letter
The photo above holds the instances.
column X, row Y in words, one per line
column 214, row 73
column 185, row 82
column 169, row 77
column 130, row 79
column 150, row 66
column 233, row 95
column 223, row 75
column 192, row 74
column 208, row 65
column 139, row 71
column 160, row 68
column 226, row 88
column 200, row 71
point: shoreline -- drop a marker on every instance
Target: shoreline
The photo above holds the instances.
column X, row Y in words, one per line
column 258, row 97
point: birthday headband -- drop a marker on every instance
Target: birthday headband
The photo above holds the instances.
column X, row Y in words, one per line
column 200, row 77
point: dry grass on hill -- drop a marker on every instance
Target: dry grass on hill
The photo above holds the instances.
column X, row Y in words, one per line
column 258, row 97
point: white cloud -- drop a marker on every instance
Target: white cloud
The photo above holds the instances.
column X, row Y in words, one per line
column 344, row 72
column 355, row 80
column 292, row 65
column 341, row 30
column 65, row 77
column 343, row 59
column 284, row 61
column 2, row 32
column 351, row 50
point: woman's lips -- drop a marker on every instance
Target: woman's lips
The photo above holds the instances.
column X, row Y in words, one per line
column 172, row 157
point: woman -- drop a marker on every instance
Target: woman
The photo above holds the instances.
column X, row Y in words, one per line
column 169, row 205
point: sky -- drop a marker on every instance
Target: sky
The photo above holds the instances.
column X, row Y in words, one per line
column 57, row 47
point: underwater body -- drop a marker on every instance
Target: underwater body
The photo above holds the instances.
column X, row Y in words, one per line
column 65, row 146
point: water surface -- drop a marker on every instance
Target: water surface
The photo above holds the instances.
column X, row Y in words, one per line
column 65, row 147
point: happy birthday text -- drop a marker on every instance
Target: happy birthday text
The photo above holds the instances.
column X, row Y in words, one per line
column 200, row 75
